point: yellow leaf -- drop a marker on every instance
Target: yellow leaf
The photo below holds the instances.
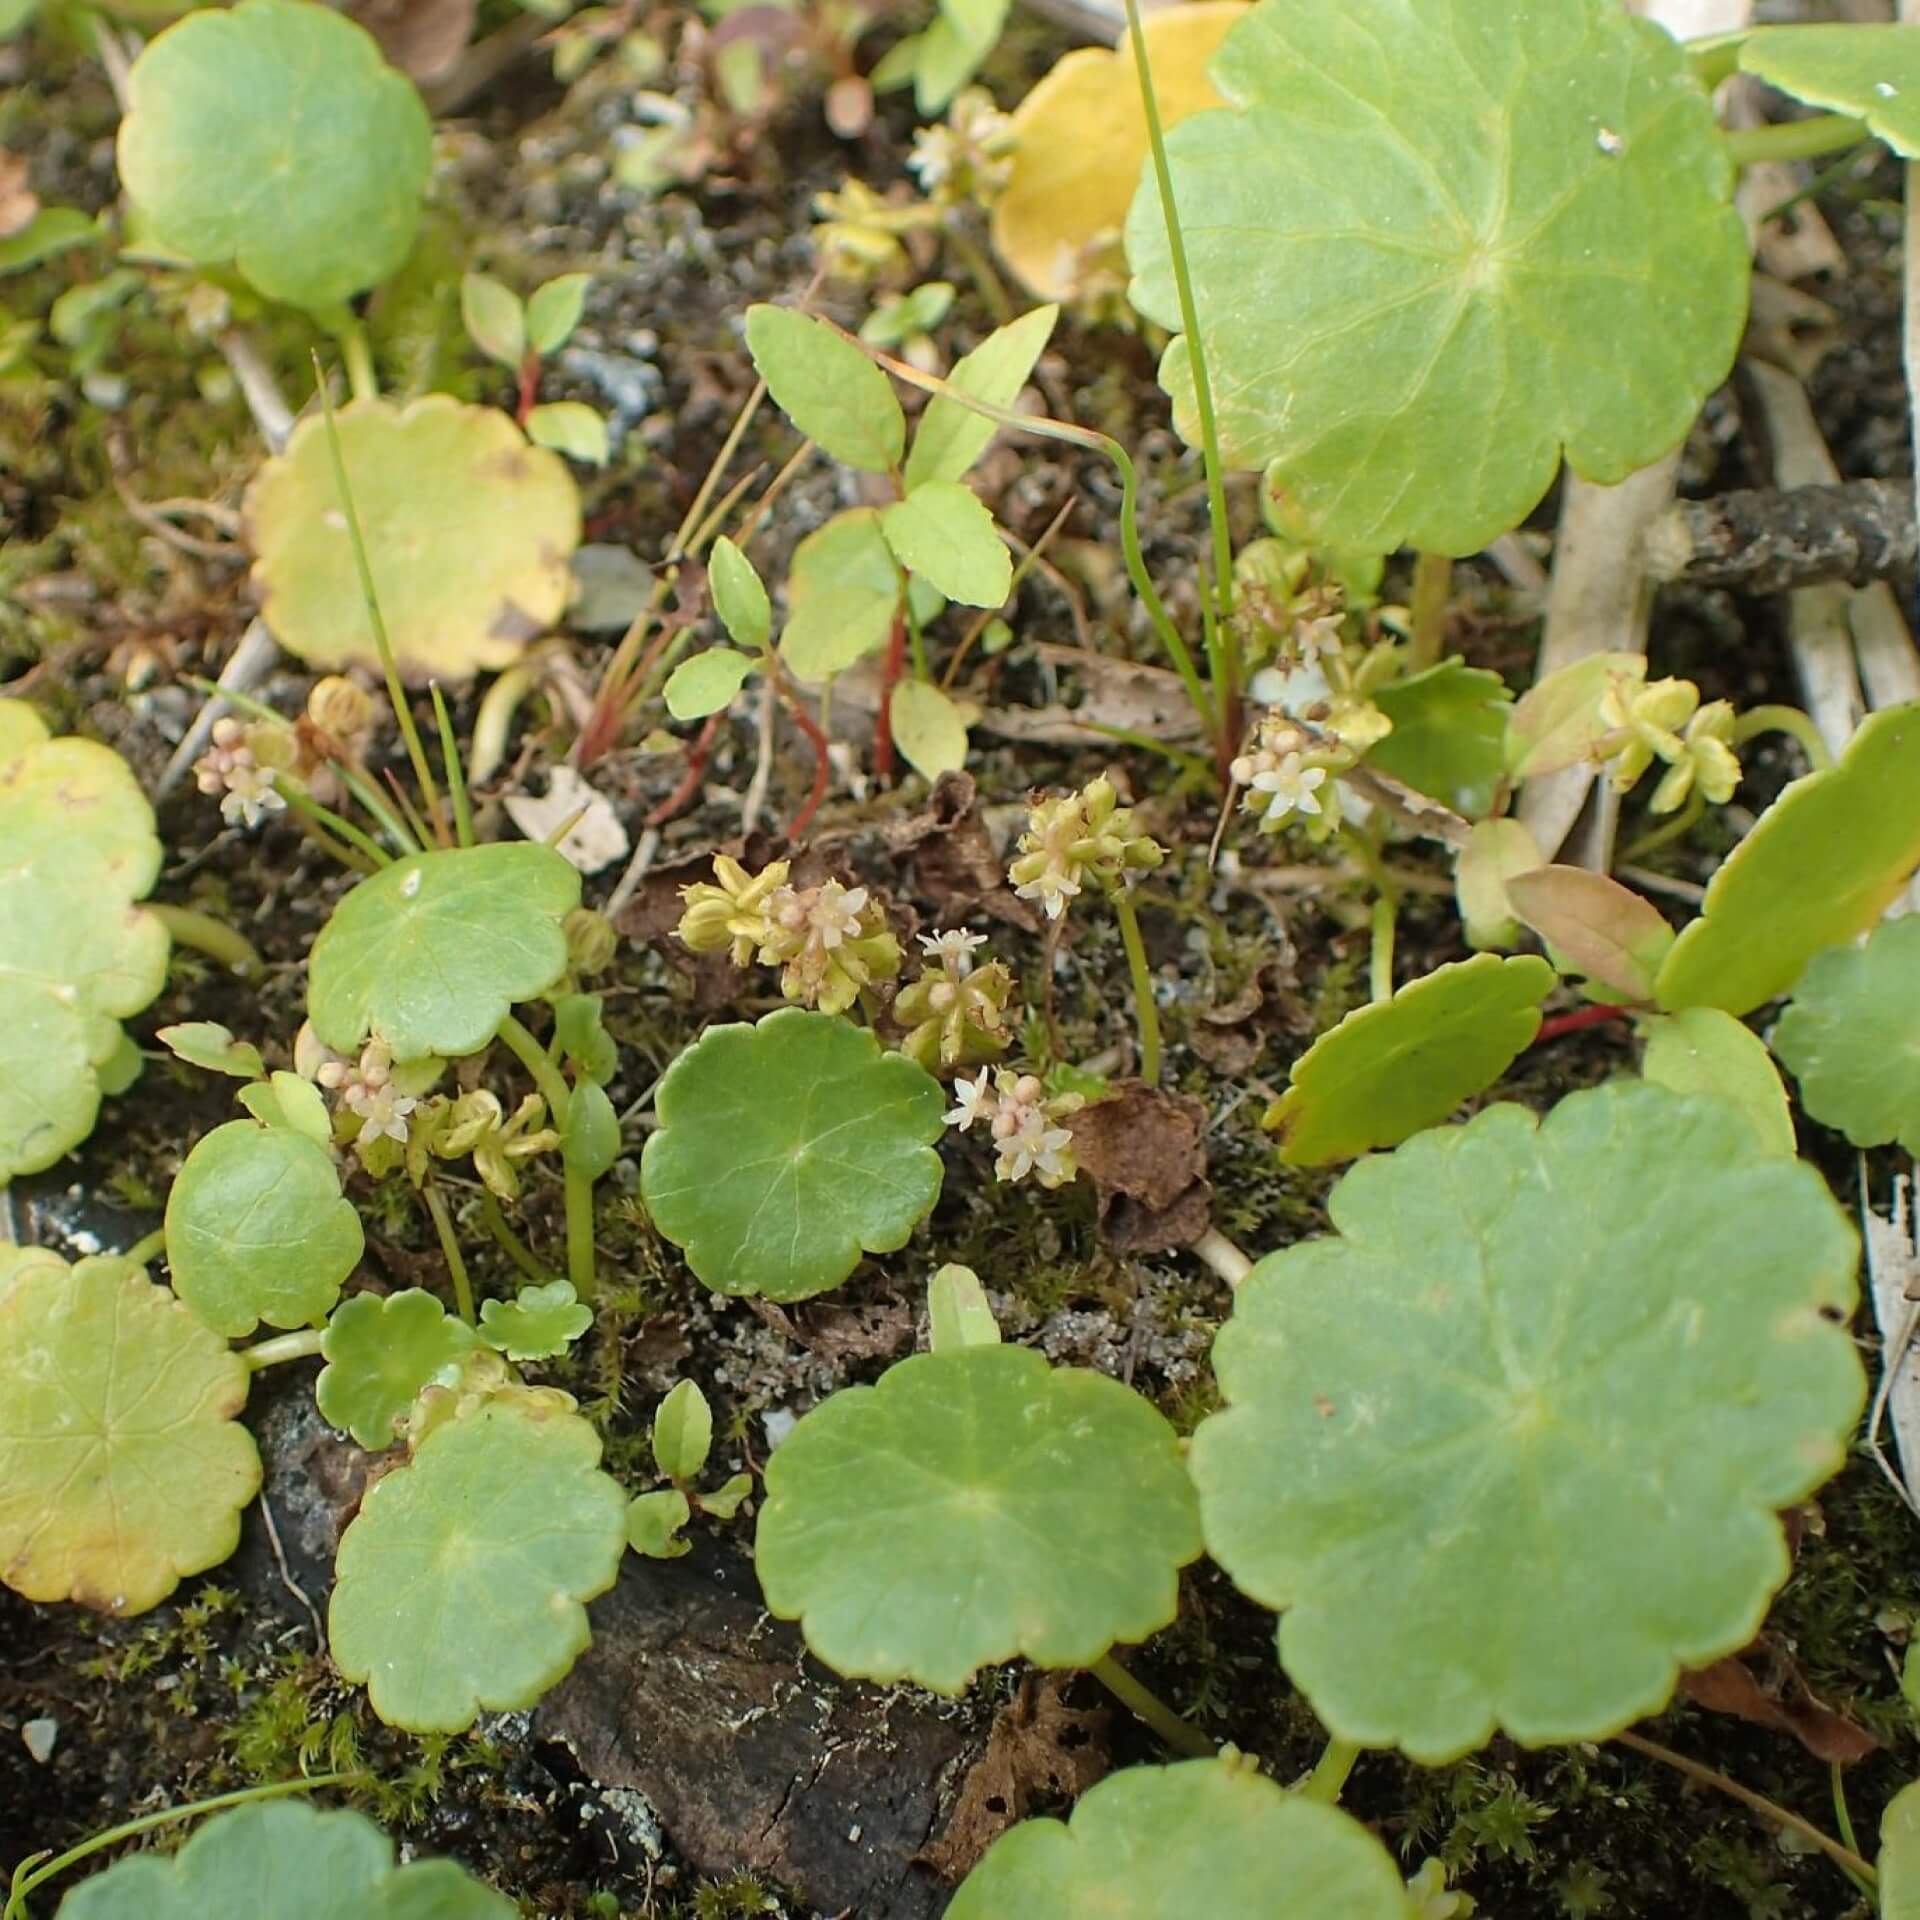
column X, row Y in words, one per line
column 1083, row 140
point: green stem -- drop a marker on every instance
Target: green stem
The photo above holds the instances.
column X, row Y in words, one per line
column 1668, row 831
column 204, row 934
column 580, row 1262
column 1784, row 719
column 1146, row 1705
column 1795, row 139
column 1329, row 1776
column 450, row 1252
column 327, row 825
column 351, row 337
column 450, row 760
column 37, row 1869
column 546, row 1076
column 1842, row 1813
column 921, row 671
column 980, row 271
column 1432, row 588
column 1386, row 909
column 144, row 1251
column 369, row 796
column 1145, row 1011
column 510, row 1242
column 1190, row 325
column 285, row 1346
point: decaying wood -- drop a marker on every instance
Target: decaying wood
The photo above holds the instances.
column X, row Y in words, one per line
column 1764, row 540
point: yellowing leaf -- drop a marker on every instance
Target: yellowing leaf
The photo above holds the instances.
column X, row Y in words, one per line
column 468, row 529
column 1083, row 142
column 928, row 729
column 570, row 427
column 1594, row 926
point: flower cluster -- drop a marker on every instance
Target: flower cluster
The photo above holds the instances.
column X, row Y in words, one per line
column 1076, row 838
column 955, row 1013
column 1024, row 1123
column 240, row 767
column 1284, row 613
column 1664, row 720
column 1286, row 773
column 969, row 156
column 829, row 941
column 366, row 1089
column 477, row 1124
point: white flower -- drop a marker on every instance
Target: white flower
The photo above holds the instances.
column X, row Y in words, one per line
column 974, row 1101
column 954, row 949
column 1034, row 1147
column 381, row 1111
column 1053, row 887
column 835, row 913
column 250, row 796
column 1291, row 787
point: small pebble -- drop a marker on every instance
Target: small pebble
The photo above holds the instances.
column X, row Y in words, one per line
column 39, row 1736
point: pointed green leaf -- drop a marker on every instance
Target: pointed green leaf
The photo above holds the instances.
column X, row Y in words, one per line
column 828, row 388
column 1620, row 1345
column 570, row 427
column 843, row 596
column 553, row 311
column 380, row 1354
column 787, row 1148
column 1819, row 868
column 286, row 1100
column 707, row 682
column 1869, row 71
column 1595, row 927
column 432, row 952
column 927, row 728
column 257, row 1229
column 943, row 533
column 1851, row 1037
column 739, row 598
column 1449, row 735
column 541, row 1322
column 654, row 1521
column 1703, row 1051
column 951, row 437
column 495, row 320
column 959, row 1313
column 1409, row 232
column 590, row 1140
column 1204, row 1837
column 683, row 1432
column 1391, row 1068
column 724, row 1502
column 208, row 1045
column 460, row 1583
column 1003, row 1508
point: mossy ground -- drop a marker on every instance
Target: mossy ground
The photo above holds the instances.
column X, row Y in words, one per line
column 100, row 616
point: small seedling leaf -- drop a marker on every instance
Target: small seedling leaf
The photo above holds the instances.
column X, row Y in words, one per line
column 739, row 598
column 380, row 1353
column 1202, row 1837
column 1389, row 1069
column 683, row 1432
column 787, row 1148
column 943, row 533
column 951, row 437
column 553, row 311
column 1851, row 1037
column 1494, row 852
column 1701, row 1050
column 211, row 1047
column 1871, row 72
column 958, row 1312
column 570, row 427
column 122, row 1468
column 927, row 728
column 286, row 1100
column 843, row 596
column 724, row 1501
column 1402, row 258
column 1595, row 927
column 541, row 1322
column 1620, row 1346
column 1004, row 1507
column 707, row 682
column 495, row 320
column 654, row 1521
column 432, row 953
column 581, row 1030
column 257, row 1229
column 1449, row 735
column 460, row 1584
column 590, row 1140
column 318, row 1866
column 1819, row 868
column 275, row 136
column 828, row 388
column 1557, row 721
column 468, row 533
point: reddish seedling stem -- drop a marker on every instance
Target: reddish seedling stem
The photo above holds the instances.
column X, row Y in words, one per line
column 682, row 795
column 1580, row 1017
column 529, row 386
column 822, row 765
column 891, row 669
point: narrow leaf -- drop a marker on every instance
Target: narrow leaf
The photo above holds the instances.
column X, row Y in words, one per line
column 570, row 427
column 553, row 311
column 952, row 437
column 739, row 598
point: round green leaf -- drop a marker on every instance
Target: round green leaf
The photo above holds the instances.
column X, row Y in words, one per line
column 707, row 682
column 122, row 1469
column 1412, row 237
column 1818, row 869
column 1449, row 737
column 1619, row 1345
column 1899, row 1863
column 1204, row 1837
column 380, row 1354
column 50, row 1056
column 541, row 1322
column 943, row 533
column 828, row 388
column 431, row 953
column 257, row 1229
column 1391, row 1068
column 304, row 1864
column 1702, row 1050
column 976, row 1506
column 460, row 1583
column 72, row 805
column 1851, row 1037
column 843, row 595
column 1871, row 72
column 787, row 1148
column 274, row 135
column 654, row 1521
column 468, row 529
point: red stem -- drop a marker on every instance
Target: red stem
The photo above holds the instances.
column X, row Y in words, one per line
column 822, row 766
column 1579, row 1018
column 891, row 669
column 690, row 780
column 529, row 386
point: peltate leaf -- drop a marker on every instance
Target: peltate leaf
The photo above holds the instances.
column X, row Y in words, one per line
column 431, row 953
column 258, row 1229
column 1819, row 868
column 275, row 136
column 1449, row 735
column 843, row 595
column 787, row 1148
column 1205, row 1837
column 380, row 1354
column 122, row 1468
column 1869, row 71
column 828, row 388
column 1003, row 1508
column 1703, row 1051
column 1899, row 1863
column 1851, row 1037
column 1410, row 232
column 951, row 437
column 1391, row 1068
column 1620, row 1346
column 943, row 533
column 460, row 1583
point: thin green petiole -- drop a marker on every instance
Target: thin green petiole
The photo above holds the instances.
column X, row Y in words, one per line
column 1386, row 911
column 510, row 1242
column 450, row 1252
column 456, row 776
column 369, row 796
column 328, row 825
column 350, row 334
column 1432, row 586
column 1676, row 828
column 1146, row 1011
column 204, row 934
column 1780, row 718
column 285, row 1346
column 1146, row 1705
column 142, row 1252
column 1795, row 139
column 1329, row 1776
column 533, row 1056
column 579, row 1190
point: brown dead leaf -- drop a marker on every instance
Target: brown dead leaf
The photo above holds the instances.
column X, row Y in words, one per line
column 881, row 1330
column 18, row 202
column 1113, row 693
column 1782, row 1701
column 1146, row 1153
column 423, row 38
column 951, row 860
column 1038, row 1745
